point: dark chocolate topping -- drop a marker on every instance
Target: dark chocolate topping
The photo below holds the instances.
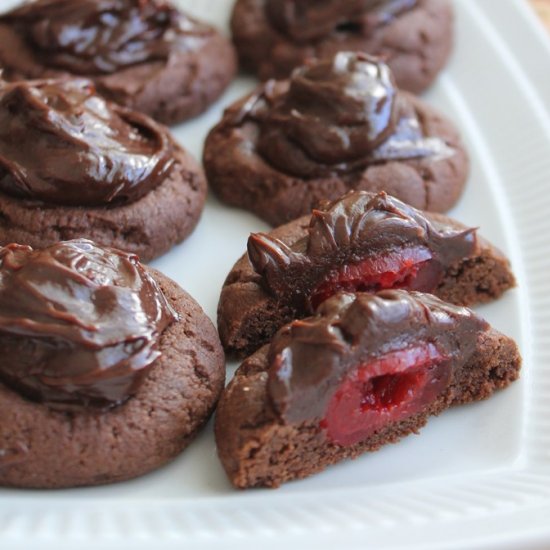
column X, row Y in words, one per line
column 104, row 36
column 336, row 116
column 349, row 230
column 61, row 143
column 79, row 324
column 309, row 20
column 309, row 358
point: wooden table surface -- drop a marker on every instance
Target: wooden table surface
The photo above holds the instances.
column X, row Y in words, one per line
column 543, row 9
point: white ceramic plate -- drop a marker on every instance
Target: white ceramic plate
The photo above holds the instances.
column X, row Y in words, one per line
column 477, row 476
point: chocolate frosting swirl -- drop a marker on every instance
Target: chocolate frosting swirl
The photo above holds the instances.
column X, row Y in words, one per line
column 309, row 358
column 310, row 20
column 358, row 226
column 79, row 324
column 61, row 143
column 104, row 36
column 335, row 110
column 336, row 116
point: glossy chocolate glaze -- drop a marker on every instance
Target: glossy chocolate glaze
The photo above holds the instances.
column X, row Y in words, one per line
column 79, row 324
column 310, row 20
column 61, row 143
column 335, row 116
column 356, row 227
column 104, row 36
column 309, row 358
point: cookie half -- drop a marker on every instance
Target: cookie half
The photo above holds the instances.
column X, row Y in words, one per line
column 273, row 37
column 65, row 442
column 359, row 242
column 365, row 371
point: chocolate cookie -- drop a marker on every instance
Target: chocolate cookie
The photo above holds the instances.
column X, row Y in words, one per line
column 365, row 371
column 337, row 125
column 414, row 36
column 109, row 369
column 360, row 242
column 75, row 165
column 145, row 55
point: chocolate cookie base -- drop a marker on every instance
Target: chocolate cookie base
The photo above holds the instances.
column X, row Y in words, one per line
column 415, row 44
column 241, row 177
column 179, row 90
column 148, row 227
column 43, row 448
column 248, row 316
column 257, row 449
column 170, row 92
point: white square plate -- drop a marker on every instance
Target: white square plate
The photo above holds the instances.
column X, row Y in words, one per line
column 477, row 476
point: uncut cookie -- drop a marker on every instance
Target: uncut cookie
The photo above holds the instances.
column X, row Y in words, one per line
column 336, row 125
column 361, row 242
column 145, row 55
column 364, row 371
column 75, row 165
column 414, row 36
column 108, row 370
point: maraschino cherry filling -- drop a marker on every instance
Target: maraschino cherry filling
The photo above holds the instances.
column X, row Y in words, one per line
column 364, row 363
column 360, row 242
column 395, row 269
column 386, row 390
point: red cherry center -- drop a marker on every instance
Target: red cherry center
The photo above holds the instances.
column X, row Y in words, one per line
column 390, row 390
column 386, row 390
column 396, row 269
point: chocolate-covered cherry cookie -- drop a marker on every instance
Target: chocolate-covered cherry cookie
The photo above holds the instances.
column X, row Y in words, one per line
column 414, row 36
column 143, row 54
column 108, row 368
column 337, row 124
column 361, row 242
column 365, row 370
column 74, row 165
